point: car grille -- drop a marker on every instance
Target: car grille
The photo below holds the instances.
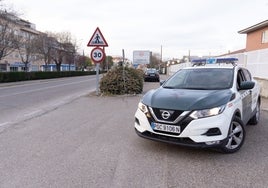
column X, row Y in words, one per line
column 174, row 114
column 177, row 117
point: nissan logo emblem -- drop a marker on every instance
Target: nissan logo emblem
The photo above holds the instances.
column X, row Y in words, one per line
column 165, row 114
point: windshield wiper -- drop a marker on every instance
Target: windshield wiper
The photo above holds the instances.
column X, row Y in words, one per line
column 196, row 88
column 168, row 87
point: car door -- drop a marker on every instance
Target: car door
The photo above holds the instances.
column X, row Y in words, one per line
column 246, row 97
column 255, row 90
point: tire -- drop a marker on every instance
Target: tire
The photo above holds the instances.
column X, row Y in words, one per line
column 236, row 136
column 256, row 118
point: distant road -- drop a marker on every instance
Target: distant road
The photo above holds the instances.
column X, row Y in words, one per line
column 23, row 100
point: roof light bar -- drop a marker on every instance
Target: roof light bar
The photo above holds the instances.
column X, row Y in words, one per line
column 200, row 62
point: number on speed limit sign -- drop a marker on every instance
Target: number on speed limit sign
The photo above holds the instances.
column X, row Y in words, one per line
column 97, row 55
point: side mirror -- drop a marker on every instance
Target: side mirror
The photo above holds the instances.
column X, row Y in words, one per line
column 246, row 85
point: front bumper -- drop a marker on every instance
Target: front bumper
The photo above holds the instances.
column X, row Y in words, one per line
column 172, row 140
column 194, row 134
column 148, row 77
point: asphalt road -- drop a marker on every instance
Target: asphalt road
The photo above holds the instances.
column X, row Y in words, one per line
column 23, row 100
column 91, row 142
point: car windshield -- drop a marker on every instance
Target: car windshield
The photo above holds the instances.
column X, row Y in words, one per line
column 204, row 79
column 151, row 71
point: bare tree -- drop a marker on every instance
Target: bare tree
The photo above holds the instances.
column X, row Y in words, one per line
column 62, row 48
column 107, row 63
column 44, row 46
column 9, row 38
column 83, row 62
column 155, row 61
column 70, row 46
column 57, row 54
column 27, row 49
column 70, row 54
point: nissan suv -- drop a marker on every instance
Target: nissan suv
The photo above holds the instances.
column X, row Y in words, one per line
column 207, row 105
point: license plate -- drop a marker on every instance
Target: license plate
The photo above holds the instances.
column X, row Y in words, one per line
column 165, row 127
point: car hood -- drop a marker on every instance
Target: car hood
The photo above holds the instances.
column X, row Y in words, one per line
column 186, row 100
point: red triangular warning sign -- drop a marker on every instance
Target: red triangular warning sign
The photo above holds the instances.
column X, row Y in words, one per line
column 97, row 39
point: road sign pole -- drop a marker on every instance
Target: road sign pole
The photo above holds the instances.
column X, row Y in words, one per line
column 97, row 54
column 97, row 78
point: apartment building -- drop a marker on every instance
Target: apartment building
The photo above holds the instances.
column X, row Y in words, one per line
column 12, row 27
column 19, row 41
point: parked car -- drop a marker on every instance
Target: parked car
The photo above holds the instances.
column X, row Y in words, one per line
column 201, row 106
column 151, row 75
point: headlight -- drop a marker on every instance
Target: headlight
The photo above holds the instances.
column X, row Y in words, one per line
column 207, row 112
column 143, row 107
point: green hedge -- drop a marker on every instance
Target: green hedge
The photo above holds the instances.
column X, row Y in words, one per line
column 22, row 76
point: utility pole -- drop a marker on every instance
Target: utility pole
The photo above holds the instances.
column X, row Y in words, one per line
column 124, row 79
column 189, row 55
column 161, row 54
column 160, row 63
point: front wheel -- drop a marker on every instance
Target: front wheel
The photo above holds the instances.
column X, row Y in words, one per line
column 236, row 136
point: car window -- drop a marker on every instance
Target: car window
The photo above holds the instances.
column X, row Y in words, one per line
column 206, row 79
column 151, row 71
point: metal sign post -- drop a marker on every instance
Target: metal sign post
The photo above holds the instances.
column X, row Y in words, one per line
column 97, row 78
column 97, row 54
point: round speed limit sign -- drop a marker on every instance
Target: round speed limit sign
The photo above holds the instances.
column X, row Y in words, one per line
column 97, row 55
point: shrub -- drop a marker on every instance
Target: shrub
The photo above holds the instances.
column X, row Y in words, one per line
column 121, row 81
column 22, row 76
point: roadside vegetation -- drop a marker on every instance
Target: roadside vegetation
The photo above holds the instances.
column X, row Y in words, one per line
column 122, row 80
column 23, row 76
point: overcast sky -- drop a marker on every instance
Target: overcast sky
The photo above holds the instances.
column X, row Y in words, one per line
column 205, row 27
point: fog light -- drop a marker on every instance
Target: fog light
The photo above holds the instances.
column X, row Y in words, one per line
column 213, row 132
column 137, row 121
column 213, row 142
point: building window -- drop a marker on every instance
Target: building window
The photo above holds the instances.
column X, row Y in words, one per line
column 24, row 69
column 265, row 36
column 13, row 69
column 3, row 67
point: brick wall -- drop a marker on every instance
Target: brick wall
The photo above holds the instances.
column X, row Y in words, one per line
column 254, row 40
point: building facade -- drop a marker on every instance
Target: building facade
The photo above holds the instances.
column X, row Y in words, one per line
column 11, row 28
column 257, row 36
column 23, row 48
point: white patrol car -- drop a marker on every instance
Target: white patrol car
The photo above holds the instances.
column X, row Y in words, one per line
column 201, row 106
